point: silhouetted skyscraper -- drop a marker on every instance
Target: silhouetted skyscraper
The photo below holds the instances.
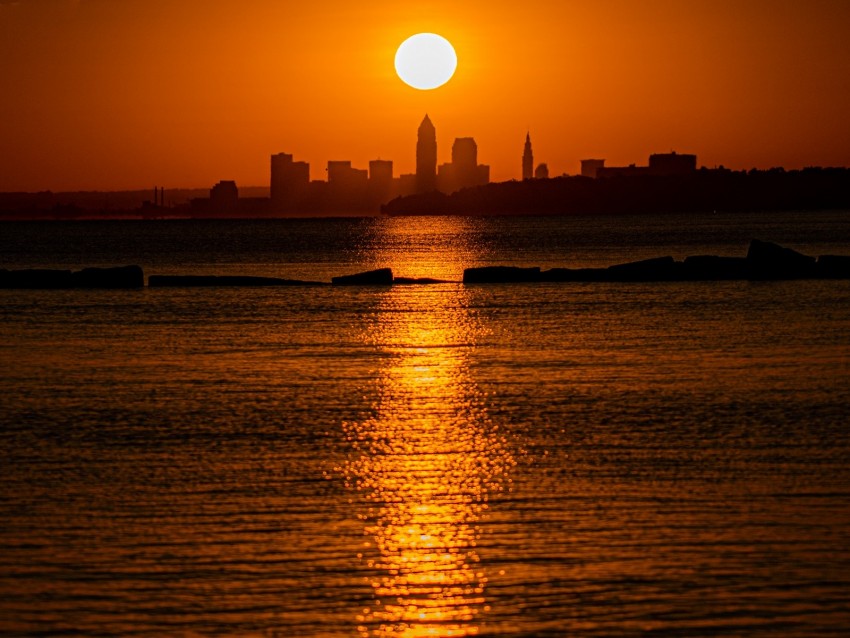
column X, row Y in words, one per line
column 464, row 169
column 289, row 181
column 465, row 162
column 381, row 171
column 342, row 177
column 380, row 181
column 465, row 153
column 224, row 197
column 426, row 157
column 527, row 159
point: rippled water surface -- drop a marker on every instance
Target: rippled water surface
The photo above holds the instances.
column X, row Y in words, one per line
column 447, row 460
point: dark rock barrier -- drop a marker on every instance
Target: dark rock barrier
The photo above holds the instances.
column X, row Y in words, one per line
column 574, row 274
column 35, row 278
column 209, row 281
column 833, row 267
column 657, row 269
column 500, row 274
column 764, row 261
column 43, row 279
column 767, row 260
column 380, row 277
column 121, row 277
column 714, row 268
column 419, row 280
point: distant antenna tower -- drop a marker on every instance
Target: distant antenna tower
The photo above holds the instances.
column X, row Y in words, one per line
column 159, row 196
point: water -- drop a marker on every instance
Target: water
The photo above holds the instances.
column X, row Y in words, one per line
column 438, row 247
column 549, row 459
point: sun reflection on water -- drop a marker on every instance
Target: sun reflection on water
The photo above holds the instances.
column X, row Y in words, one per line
column 430, row 247
column 426, row 463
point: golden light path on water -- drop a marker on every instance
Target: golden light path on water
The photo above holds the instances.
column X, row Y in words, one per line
column 426, row 463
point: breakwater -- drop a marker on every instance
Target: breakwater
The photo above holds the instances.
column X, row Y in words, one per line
column 763, row 261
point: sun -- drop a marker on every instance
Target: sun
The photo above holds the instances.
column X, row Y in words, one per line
column 425, row 61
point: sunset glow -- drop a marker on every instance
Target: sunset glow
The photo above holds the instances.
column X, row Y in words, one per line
column 106, row 95
column 425, row 319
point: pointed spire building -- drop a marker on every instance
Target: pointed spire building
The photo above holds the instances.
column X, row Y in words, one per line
column 527, row 159
column 426, row 157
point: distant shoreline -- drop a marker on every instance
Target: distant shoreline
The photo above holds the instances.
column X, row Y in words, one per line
column 121, row 217
column 699, row 191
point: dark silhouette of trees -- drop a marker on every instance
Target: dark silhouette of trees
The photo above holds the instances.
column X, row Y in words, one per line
column 704, row 190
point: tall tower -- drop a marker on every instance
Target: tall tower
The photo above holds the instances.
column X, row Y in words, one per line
column 527, row 159
column 426, row 157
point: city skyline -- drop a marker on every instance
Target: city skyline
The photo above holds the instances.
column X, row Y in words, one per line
column 348, row 187
column 113, row 96
column 353, row 189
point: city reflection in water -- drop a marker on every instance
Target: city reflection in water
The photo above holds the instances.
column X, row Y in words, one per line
column 426, row 462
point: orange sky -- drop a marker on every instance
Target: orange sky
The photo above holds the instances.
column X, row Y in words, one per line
column 115, row 94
